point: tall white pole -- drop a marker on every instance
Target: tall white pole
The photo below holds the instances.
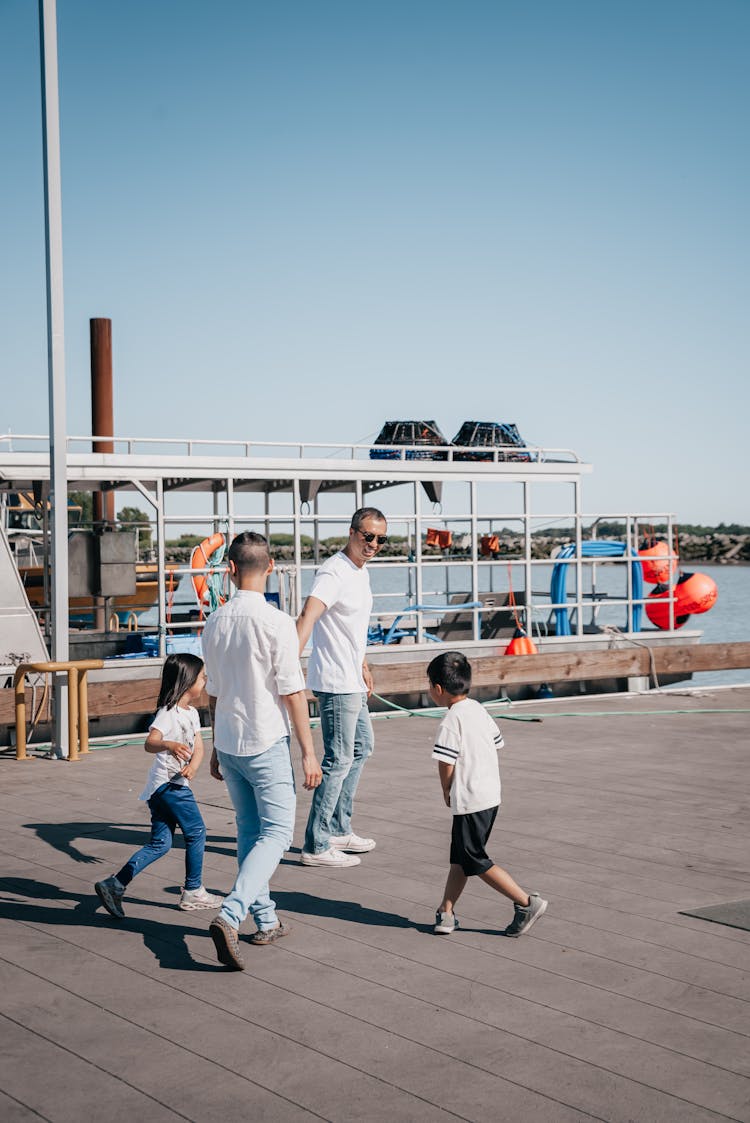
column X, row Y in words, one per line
column 55, row 363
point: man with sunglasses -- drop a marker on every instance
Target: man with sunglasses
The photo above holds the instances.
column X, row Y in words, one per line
column 337, row 615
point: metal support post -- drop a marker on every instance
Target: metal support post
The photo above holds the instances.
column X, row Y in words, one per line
column 55, row 362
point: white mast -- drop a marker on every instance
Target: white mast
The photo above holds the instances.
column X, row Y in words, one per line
column 55, row 362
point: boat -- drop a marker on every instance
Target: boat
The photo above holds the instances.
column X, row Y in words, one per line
column 23, row 521
column 455, row 591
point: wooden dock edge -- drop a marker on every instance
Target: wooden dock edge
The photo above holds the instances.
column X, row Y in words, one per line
column 574, row 666
column 133, row 696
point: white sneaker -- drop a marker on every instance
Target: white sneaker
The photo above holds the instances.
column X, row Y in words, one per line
column 352, row 842
column 336, row 859
column 199, row 899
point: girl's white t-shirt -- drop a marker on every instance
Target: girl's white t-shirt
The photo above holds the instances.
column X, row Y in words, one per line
column 174, row 724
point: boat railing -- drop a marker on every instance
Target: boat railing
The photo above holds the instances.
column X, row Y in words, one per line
column 291, row 450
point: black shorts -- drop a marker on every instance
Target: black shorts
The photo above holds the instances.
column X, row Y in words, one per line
column 469, row 838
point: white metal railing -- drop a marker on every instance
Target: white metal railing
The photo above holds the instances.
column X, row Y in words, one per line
column 529, row 454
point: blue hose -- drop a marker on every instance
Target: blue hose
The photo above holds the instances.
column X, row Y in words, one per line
column 596, row 548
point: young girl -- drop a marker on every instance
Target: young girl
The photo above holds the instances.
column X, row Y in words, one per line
column 174, row 737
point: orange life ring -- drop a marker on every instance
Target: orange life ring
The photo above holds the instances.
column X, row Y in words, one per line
column 199, row 560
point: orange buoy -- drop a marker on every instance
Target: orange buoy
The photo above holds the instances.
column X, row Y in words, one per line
column 654, row 555
column 657, row 608
column 199, row 560
column 696, row 592
column 520, row 644
column 693, row 593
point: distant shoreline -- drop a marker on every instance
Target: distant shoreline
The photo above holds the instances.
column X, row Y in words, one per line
column 693, row 549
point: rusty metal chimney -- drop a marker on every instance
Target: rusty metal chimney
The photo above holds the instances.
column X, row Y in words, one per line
column 102, row 411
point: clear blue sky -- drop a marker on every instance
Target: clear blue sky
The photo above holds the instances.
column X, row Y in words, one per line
column 305, row 218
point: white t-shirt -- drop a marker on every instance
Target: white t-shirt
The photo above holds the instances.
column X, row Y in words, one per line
column 469, row 739
column 251, row 651
column 174, row 724
column 339, row 638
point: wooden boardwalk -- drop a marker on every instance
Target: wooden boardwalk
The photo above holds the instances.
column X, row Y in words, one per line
column 615, row 1007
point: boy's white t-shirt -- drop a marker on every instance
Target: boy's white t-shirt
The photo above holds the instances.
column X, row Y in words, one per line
column 469, row 739
column 339, row 638
column 174, row 724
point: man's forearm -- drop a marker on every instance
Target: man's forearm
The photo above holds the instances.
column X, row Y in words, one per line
column 296, row 705
column 312, row 610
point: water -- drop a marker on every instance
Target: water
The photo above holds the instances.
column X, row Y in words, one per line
column 729, row 619
column 727, row 622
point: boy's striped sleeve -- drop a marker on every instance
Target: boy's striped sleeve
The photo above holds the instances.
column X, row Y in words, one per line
column 447, row 744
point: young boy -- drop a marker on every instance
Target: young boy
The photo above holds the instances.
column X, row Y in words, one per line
column 466, row 749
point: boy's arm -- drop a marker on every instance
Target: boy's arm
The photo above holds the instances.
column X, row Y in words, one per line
column 312, row 611
column 296, row 705
column 446, row 779
column 196, row 759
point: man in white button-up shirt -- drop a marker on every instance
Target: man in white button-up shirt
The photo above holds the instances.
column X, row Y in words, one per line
column 255, row 687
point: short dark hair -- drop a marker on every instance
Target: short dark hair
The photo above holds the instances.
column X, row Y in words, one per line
column 178, row 674
column 452, row 671
column 249, row 552
column 363, row 513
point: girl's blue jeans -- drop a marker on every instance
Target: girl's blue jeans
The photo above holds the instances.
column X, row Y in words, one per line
column 347, row 742
column 172, row 806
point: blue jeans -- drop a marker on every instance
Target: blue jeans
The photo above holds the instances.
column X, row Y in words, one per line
column 172, row 806
column 262, row 790
column 347, row 742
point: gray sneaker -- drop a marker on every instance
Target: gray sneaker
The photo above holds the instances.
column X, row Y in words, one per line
column 110, row 892
column 227, row 943
column 523, row 918
column 445, row 923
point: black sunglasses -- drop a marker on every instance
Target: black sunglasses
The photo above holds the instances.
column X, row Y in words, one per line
column 381, row 539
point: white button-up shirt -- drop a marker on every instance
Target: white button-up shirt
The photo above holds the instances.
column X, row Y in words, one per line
column 251, row 651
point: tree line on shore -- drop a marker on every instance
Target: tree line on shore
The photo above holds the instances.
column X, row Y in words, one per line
column 716, row 545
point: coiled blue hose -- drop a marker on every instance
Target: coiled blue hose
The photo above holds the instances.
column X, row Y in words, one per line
column 595, row 548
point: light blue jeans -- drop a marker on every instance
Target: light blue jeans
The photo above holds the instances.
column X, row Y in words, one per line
column 262, row 790
column 347, row 742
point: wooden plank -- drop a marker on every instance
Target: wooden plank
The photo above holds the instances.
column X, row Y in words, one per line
column 130, row 696
column 574, row 666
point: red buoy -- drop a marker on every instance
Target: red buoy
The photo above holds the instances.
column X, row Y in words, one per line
column 655, row 563
column 521, row 644
column 693, row 593
column 657, row 608
column 696, row 592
